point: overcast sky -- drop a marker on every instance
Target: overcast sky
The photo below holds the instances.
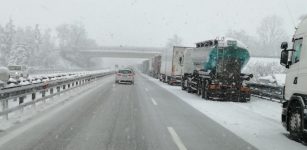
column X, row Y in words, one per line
column 152, row 22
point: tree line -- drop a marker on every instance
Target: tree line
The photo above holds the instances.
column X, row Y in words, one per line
column 38, row 48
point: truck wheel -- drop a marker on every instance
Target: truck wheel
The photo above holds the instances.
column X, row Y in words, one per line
column 182, row 86
column 242, row 98
column 199, row 90
column 189, row 89
column 206, row 95
column 204, row 91
column 295, row 122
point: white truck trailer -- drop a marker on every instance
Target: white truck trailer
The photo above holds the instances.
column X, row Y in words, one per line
column 172, row 65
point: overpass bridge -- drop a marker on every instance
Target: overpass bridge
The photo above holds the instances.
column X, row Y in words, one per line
column 128, row 52
column 121, row 52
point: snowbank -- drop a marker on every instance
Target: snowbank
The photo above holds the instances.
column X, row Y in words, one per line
column 258, row 122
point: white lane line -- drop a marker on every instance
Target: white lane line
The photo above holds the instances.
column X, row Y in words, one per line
column 176, row 139
column 146, row 90
column 154, row 101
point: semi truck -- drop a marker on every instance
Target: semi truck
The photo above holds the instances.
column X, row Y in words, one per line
column 217, row 66
column 155, row 66
column 144, row 67
column 171, row 68
column 294, row 108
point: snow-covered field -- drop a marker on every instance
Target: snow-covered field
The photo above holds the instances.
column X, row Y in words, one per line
column 257, row 122
column 268, row 69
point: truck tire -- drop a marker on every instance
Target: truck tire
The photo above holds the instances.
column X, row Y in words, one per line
column 189, row 89
column 205, row 94
column 182, row 85
column 295, row 122
column 199, row 89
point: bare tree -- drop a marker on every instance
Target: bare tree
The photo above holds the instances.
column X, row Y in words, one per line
column 271, row 33
column 174, row 41
column 7, row 41
column 247, row 39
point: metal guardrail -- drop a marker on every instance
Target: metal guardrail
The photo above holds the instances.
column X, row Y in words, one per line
column 269, row 92
column 54, row 87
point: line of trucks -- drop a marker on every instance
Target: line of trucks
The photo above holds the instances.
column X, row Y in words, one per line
column 212, row 69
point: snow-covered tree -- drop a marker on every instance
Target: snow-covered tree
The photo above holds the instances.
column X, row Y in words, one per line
column 73, row 38
column 18, row 55
column 7, row 41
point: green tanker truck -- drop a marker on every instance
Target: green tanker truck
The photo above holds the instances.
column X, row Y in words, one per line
column 217, row 66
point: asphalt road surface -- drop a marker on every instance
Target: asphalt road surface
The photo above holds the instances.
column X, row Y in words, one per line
column 113, row 116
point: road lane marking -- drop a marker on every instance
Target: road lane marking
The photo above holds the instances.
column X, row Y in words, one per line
column 176, row 139
column 154, row 101
column 146, row 90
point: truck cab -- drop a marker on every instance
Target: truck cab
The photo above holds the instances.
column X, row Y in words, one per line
column 294, row 114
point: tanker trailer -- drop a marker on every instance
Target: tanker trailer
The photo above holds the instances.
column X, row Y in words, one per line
column 217, row 75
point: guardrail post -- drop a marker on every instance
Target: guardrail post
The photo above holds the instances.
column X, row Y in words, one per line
column 271, row 95
column 58, row 89
column 51, row 91
column 21, row 100
column 43, row 95
column 33, row 96
column 5, row 105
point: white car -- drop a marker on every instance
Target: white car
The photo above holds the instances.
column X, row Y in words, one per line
column 124, row 76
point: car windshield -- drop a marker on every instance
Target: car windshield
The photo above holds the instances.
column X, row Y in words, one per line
column 153, row 75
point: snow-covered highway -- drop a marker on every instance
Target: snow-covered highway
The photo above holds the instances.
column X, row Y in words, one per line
column 148, row 115
column 112, row 116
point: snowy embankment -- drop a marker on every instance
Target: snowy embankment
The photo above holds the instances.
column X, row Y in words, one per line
column 266, row 70
column 31, row 111
column 257, row 122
